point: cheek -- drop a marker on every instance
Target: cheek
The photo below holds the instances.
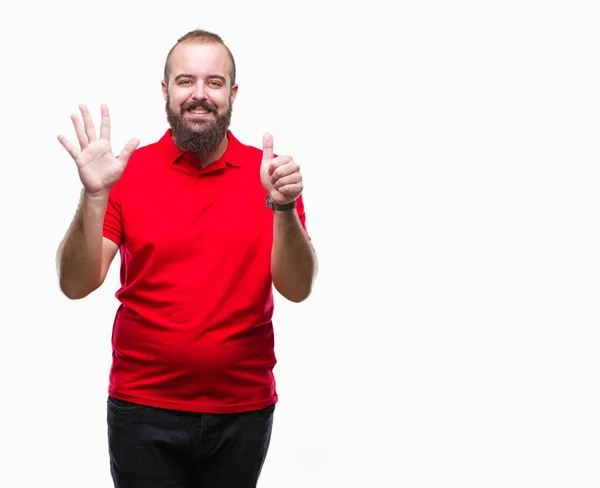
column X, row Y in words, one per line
column 222, row 103
column 175, row 105
column 176, row 99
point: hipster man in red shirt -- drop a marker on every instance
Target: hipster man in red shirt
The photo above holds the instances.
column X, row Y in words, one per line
column 206, row 226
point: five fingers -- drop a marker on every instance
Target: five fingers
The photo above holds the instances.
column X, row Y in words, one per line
column 86, row 132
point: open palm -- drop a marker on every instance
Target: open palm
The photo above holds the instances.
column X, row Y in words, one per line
column 99, row 169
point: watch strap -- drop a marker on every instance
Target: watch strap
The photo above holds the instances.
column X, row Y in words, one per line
column 275, row 206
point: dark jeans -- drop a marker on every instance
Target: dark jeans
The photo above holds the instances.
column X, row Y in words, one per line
column 157, row 448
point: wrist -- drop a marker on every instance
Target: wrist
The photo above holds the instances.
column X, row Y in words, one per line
column 278, row 207
column 94, row 202
column 95, row 196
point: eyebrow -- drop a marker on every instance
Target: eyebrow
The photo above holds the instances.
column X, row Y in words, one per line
column 212, row 76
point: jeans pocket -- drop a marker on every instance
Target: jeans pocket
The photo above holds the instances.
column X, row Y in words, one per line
column 120, row 405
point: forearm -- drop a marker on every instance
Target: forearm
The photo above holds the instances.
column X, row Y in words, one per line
column 79, row 256
column 293, row 260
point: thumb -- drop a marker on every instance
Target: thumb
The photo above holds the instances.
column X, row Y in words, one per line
column 267, row 147
column 128, row 150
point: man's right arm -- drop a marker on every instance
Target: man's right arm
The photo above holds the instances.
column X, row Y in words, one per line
column 84, row 255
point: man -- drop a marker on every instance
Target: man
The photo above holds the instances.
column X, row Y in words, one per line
column 205, row 226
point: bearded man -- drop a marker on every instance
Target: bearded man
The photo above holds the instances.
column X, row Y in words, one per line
column 206, row 227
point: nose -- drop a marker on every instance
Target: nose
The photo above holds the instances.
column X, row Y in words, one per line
column 199, row 92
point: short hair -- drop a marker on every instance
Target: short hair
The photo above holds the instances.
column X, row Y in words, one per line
column 201, row 36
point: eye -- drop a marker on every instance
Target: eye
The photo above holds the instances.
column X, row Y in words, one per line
column 184, row 82
column 215, row 84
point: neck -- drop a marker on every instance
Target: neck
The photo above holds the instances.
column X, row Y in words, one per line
column 207, row 158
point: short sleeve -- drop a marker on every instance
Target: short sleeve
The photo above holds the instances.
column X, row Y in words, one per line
column 113, row 222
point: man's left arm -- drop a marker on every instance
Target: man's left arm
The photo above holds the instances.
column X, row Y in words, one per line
column 293, row 259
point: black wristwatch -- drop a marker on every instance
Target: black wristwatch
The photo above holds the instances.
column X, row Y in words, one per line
column 275, row 206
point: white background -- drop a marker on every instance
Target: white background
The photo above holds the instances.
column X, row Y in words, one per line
column 450, row 159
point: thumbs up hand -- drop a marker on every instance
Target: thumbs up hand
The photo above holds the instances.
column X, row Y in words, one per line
column 280, row 176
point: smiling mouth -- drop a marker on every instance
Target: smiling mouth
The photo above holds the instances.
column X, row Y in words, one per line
column 198, row 111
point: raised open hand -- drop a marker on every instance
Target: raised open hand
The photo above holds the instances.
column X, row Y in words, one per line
column 98, row 168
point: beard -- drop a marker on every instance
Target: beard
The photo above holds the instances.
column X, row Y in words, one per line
column 201, row 137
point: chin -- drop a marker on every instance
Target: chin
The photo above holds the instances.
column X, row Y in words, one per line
column 197, row 125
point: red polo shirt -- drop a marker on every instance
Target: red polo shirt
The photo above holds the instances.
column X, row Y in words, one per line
column 193, row 331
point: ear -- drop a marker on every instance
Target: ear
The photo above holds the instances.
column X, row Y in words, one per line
column 165, row 89
column 233, row 93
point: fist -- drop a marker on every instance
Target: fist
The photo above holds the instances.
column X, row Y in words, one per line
column 280, row 176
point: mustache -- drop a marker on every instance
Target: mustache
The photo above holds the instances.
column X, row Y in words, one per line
column 199, row 104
